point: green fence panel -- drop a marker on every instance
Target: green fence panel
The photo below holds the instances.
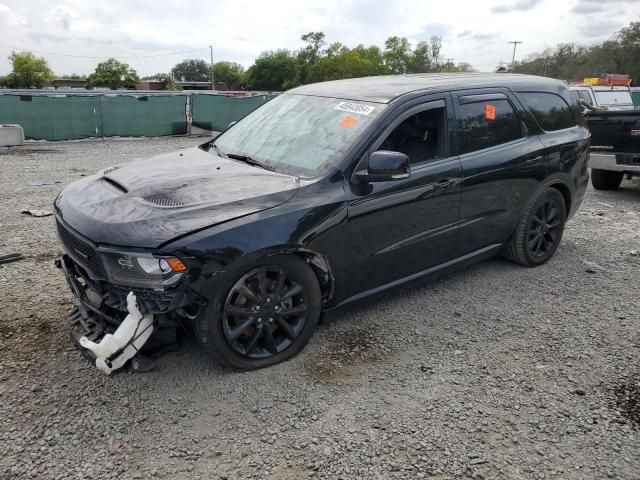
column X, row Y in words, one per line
column 216, row 112
column 143, row 115
column 57, row 117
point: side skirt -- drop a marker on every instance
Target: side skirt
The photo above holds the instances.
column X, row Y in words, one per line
column 451, row 265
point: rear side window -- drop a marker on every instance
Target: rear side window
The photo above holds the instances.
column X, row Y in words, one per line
column 550, row 110
column 487, row 124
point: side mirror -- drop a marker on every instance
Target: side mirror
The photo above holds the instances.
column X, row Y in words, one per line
column 385, row 166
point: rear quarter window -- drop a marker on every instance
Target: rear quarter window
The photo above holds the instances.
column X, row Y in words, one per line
column 551, row 111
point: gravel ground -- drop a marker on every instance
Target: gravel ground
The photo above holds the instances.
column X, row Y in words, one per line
column 496, row 372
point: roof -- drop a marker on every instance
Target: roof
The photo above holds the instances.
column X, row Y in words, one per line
column 383, row 89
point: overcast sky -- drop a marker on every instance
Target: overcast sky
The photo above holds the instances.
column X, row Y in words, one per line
column 473, row 31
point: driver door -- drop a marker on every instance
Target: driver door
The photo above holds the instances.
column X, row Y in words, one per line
column 400, row 228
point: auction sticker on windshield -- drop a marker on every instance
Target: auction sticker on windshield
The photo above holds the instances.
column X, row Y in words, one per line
column 352, row 107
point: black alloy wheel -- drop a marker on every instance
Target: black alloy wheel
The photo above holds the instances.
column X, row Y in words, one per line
column 539, row 231
column 262, row 315
column 544, row 229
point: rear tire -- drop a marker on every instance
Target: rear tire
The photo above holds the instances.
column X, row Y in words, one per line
column 539, row 231
column 606, row 179
column 263, row 314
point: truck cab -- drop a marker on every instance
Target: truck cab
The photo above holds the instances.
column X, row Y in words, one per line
column 605, row 92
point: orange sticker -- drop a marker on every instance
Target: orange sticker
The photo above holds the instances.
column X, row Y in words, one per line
column 490, row 111
column 348, row 122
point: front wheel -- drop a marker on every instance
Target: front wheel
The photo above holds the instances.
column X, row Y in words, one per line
column 264, row 315
column 606, row 179
column 539, row 231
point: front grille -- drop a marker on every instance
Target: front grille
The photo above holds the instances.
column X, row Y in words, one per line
column 81, row 250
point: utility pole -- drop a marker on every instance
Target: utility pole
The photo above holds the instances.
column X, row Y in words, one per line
column 449, row 62
column 213, row 85
column 513, row 60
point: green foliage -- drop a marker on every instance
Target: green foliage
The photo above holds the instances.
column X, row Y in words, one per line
column 113, row 74
column 230, row 73
column 73, row 76
column 397, row 54
column 275, row 70
column 283, row 69
column 29, row 71
column 192, row 70
column 569, row 61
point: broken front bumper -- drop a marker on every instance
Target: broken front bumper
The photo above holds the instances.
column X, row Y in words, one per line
column 100, row 307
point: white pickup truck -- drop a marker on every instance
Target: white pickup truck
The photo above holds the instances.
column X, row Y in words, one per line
column 605, row 97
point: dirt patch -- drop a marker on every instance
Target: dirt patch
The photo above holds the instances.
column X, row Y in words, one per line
column 627, row 401
column 18, row 151
column 347, row 354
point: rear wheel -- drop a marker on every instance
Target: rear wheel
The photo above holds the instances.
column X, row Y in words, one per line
column 539, row 231
column 264, row 315
column 606, row 179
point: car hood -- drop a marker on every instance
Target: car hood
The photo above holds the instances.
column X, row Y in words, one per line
column 149, row 202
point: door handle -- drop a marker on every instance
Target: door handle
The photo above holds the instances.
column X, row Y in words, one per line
column 537, row 159
column 445, row 183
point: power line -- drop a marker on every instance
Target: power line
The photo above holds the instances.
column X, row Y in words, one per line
column 105, row 56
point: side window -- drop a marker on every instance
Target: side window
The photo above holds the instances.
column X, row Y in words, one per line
column 422, row 137
column 550, row 110
column 487, row 124
column 584, row 95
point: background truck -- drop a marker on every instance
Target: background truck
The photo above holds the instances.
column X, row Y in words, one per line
column 607, row 92
column 615, row 146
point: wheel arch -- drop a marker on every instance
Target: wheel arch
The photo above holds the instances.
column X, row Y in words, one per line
column 566, row 194
column 319, row 264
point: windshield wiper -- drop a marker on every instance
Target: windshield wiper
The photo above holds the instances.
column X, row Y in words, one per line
column 250, row 161
column 218, row 150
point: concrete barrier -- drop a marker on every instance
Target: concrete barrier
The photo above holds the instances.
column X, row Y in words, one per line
column 11, row 135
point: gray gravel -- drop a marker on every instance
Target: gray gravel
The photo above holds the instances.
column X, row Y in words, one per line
column 496, row 372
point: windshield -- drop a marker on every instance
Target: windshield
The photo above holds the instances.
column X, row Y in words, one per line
column 614, row 98
column 298, row 134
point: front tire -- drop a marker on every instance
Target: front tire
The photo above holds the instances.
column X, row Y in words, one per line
column 606, row 179
column 539, row 231
column 262, row 315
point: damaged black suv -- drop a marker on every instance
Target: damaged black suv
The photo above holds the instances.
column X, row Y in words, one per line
column 327, row 194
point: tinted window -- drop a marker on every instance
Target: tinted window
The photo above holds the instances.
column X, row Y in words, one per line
column 550, row 110
column 422, row 137
column 487, row 124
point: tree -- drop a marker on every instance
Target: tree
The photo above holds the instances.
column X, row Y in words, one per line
column 192, row 70
column 230, row 73
column 274, row 70
column 397, row 54
column 113, row 74
column 312, row 51
column 29, row 71
column 168, row 83
column 621, row 54
column 420, row 59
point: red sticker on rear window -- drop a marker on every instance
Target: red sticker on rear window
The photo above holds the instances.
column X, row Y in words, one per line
column 490, row 111
column 348, row 122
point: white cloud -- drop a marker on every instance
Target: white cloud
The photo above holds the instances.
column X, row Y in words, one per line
column 240, row 29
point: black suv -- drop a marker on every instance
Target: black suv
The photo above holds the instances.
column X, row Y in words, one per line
column 327, row 194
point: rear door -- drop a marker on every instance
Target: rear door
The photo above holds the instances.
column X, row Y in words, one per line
column 502, row 165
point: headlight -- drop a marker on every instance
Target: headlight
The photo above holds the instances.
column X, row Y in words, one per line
column 142, row 270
